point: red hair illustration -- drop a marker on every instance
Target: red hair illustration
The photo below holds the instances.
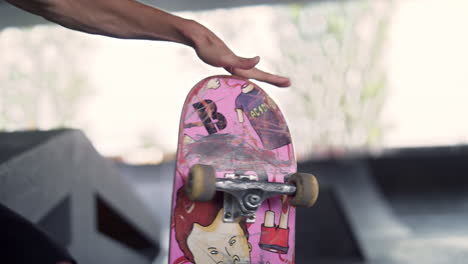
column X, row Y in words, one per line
column 188, row 212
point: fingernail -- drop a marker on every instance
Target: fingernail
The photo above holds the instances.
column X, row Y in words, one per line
column 256, row 58
column 286, row 82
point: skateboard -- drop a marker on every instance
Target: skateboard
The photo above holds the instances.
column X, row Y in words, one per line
column 236, row 188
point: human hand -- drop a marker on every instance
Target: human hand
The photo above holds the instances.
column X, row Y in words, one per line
column 213, row 51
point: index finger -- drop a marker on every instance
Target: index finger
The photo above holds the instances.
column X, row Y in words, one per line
column 262, row 76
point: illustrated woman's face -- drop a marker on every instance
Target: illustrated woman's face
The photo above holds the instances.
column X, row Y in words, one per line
column 219, row 243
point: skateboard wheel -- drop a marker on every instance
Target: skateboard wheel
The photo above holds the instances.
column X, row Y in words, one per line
column 307, row 189
column 201, row 183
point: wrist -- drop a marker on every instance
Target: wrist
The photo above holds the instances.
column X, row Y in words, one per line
column 194, row 33
column 185, row 28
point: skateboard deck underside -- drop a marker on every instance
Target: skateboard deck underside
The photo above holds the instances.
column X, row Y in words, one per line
column 232, row 125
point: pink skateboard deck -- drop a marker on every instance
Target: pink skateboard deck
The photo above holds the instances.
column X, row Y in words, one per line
column 232, row 125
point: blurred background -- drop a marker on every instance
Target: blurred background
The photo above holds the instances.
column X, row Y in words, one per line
column 377, row 109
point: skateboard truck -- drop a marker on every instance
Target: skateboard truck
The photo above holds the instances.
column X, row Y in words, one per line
column 243, row 195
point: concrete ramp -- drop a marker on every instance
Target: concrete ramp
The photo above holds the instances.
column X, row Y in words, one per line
column 354, row 221
column 57, row 180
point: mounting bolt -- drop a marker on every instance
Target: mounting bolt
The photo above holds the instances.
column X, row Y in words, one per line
column 252, row 201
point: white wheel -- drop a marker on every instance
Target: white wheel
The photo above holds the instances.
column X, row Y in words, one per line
column 201, row 183
column 307, row 189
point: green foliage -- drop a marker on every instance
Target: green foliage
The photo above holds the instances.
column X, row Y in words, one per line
column 295, row 11
column 44, row 80
column 373, row 88
column 336, row 25
column 343, row 82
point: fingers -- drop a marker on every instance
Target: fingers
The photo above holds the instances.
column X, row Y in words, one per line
column 213, row 51
column 234, row 61
column 262, row 76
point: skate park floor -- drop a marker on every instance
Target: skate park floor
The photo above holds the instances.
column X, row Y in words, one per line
column 409, row 206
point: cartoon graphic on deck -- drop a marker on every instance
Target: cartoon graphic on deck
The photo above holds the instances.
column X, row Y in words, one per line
column 205, row 238
column 264, row 117
column 235, row 180
column 275, row 238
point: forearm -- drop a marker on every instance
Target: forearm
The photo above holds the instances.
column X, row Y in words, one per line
column 130, row 19
column 126, row 19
